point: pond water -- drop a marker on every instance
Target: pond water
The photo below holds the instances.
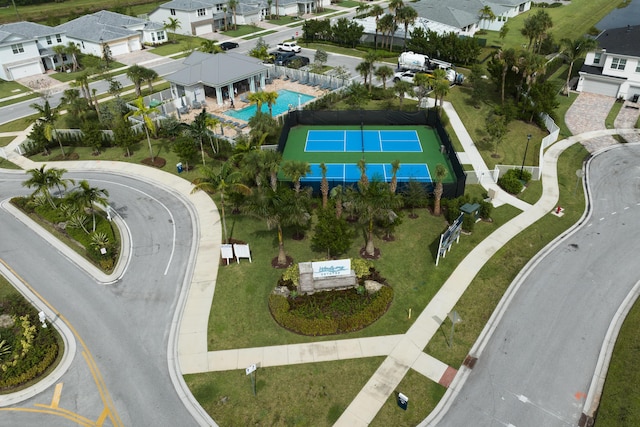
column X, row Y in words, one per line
column 621, row 17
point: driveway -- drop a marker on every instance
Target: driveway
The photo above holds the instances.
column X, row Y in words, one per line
column 588, row 113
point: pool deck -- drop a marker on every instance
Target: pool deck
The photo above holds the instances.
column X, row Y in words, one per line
column 221, row 110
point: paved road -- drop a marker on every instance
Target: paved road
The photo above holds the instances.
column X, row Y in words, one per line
column 536, row 368
column 125, row 325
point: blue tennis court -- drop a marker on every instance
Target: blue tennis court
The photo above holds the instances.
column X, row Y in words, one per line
column 371, row 141
column 348, row 172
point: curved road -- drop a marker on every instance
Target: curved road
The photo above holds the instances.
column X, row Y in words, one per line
column 124, row 326
column 535, row 369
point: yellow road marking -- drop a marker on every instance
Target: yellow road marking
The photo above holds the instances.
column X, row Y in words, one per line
column 70, row 414
column 95, row 372
column 76, row 419
column 102, row 417
column 56, row 395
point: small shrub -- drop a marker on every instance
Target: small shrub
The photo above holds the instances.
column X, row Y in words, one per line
column 485, row 209
column 511, row 182
column 468, row 222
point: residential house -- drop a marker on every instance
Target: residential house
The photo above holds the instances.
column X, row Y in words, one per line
column 197, row 17
column 26, row 49
column 220, row 76
column 462, row 17
column 122, row 33
column 614, row 68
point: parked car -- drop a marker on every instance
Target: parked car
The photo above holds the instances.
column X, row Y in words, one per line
column 279, row 58
column 289, row 47
column 296, row 61
column 228, row 45
column 405, row 76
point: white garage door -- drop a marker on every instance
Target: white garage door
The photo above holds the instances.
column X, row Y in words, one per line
column 134, row 45
column 204, row 29
column 25, row 70
column 119, row 48
column 601, row 88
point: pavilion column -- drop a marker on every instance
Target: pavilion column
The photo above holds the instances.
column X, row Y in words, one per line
column 252, row 84
column 219, row 96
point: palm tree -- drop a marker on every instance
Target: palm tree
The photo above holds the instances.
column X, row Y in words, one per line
column 486, row 13
column 362, row 166
column 252, row 164
column 210, row 46
column 277, row 208
column 377, row 11
column 295, row 170
column 270, row 98
column 373, row 202
column 441, row 174
column 87, row 196
column 269, row 5
column 394, row 6
column 74, row 51
column 219, row 180
column 149, row 75
column 383, row 73
column 387, row 26
column 233, row 5
column 370, row 59
column 136, row 74
column 48, row 117
column 172, row 25
column 145, row 112
column 401, row 88
column 44, row 180
column 75, row 104
column 271, row 162
column 363, row 69
column 407, row 15
column 440, row 85
column 506, row 59
column 199, row 129
column 573, row 50
column 395, row 166
column 324, row 185
column 60, row 50
column 257, row 98
column 336, row 193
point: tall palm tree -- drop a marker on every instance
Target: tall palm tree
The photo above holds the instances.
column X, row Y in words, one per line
column 395, row 166
column 370, row 60
column 486, row 13
column 506, row 59
column 74, row 51
column 136, row 74
column 148, row 76
column 440, row 85
column 336, row 193
column 87, row 197
column 363, row 69
column 295, row 170
column 377, row 11
column 387, row 27
column 233, row 5
column 271, row 162
column 383, row 73
column 324, row 185
column 394, row 6
column 199, row 130
column 407, row 15
column 172, row 25
column 76, row 105
column 252, row 163
column 362, row 166
column 257, row 98
column 441, row 174
column 270, row 99
column 219, row 180
column 145, row 112
column 573, row 50
column 48, row 117
column 44, row 180
column 60, row 50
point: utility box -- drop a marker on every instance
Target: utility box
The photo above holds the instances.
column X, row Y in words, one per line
column 471, row 209
column 179, row 167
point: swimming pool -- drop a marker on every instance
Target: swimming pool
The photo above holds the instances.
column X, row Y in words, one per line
column 285, row 99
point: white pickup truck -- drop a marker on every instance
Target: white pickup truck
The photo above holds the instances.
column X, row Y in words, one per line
column 289, row 47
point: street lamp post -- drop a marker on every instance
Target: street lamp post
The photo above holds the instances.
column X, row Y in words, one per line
column 525, row 155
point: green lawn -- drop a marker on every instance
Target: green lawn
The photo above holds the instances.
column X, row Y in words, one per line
column 613, row 113
column 242, row 30
column 177, row 43
column 9, row 88
column 19, row 124
column 46, row 11
column 69, row 77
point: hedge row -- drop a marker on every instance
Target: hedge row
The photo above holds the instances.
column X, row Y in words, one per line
column 10, row 381
column 280, row 310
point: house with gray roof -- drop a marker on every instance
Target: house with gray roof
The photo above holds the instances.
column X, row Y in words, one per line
column 26, row 49
column 216, row 76
column 121, row 33
column 614, row 68
column 460, row 17
column 197, row 17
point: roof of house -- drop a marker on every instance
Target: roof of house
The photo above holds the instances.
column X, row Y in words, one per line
column 460, row 13
column 105, row 26
column 187, row 5
column 623, row 41
column 216, row 70
column 24, row 30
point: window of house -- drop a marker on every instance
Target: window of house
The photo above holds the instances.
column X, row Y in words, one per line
column 58, row 38
column 64, row 57
column 172, row 11
column 597, row 57
column 618, row 63
column 160, row 35
column 49, row 41
column 55, row 59
column 202, row 12
column 153, row 37
column 219, row 7
column 638, row 67
column 17, row 48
